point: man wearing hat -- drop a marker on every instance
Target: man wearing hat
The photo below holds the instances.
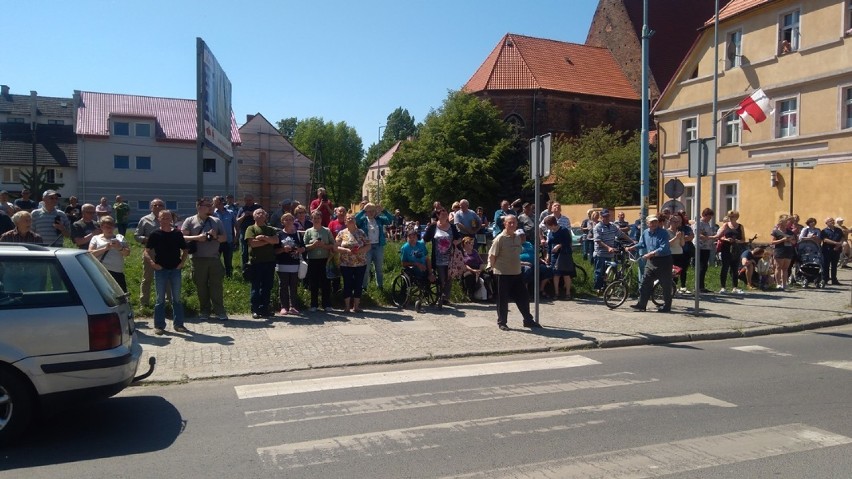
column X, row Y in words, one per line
column 658, row 265
column 605, row 235
column 49, row 222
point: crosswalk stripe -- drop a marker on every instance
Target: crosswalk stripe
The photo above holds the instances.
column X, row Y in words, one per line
column 837, row 364
column 678, row 456
column 309, row 412
column 761, row 349
column 281, row 388
column 394, row 441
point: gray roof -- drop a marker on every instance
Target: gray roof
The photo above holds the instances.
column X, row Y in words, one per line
column 19, row 106
column 56, row 145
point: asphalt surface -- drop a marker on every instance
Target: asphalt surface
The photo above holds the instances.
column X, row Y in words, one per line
column 244, row 346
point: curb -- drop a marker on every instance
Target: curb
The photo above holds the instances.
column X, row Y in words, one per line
column 580, row 345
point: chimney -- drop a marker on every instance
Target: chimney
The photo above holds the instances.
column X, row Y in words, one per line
column 4, row 90
column 249, row 118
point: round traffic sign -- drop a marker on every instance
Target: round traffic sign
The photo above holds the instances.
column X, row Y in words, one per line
column 674, row 206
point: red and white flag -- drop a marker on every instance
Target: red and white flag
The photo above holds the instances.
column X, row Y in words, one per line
column 756, row 107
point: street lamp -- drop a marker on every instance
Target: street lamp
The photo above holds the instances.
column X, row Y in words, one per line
column 379, row 154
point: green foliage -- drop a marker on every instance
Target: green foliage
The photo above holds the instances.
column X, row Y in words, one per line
column 336, row 150
column 461, row 151
column 399, row 126
column 599, row 167
column 287, row 127
column 38, row 184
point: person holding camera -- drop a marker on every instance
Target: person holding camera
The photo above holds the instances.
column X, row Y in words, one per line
column 111, row 249
column 323, row 205
column 203, row 234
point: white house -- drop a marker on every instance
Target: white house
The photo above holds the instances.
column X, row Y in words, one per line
column 144, row 147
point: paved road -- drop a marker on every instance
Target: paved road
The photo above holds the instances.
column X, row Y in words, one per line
column 246, row 346
column 770, row 406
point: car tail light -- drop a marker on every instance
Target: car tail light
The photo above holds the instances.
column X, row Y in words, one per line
column 104, row 331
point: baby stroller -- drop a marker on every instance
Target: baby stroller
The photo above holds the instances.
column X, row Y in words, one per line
column 809, row 267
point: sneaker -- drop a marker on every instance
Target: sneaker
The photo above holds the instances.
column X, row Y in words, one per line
column 255, row 315
column 503, row 327
column 159, row 331
column 313, row 309
column 722, row 291
column 181, row 329
column 293, row 311
column 283, row 312
column 737, row 291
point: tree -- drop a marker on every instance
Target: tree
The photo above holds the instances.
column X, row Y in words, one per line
column 459, row 152
column 287, row 127
column 341, row 153
column 600, row 166
column 38, row 183
column 400, row 125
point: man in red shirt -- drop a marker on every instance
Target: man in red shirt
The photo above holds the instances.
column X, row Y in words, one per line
column 339, row 222
column 322, row 204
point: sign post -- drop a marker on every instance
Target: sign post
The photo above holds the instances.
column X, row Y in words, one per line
column 702, row 162
column 539, row 168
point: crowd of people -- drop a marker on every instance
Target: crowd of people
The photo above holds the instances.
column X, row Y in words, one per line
column 321, row 245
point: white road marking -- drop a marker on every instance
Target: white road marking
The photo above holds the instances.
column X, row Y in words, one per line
column 308, row 412
column 413, row 375
column 679, row 456
column 395, row 441
column 761, row 349
column 837, row 364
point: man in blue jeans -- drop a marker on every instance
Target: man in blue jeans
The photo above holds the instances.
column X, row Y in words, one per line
column 605, row 235
column 166, row 252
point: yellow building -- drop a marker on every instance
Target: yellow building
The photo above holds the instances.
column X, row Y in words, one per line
column 800, row 54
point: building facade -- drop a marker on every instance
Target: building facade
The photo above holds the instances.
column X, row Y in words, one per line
column 800, row 55
column 143, row 147
column 39, row 128
column 374, row 180
column 269, row 167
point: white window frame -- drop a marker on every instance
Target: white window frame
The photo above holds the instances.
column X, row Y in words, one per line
column 129, row 128
column 795, row 31
column 722, row 198
column 688, row 134
column 52, row 174
column 737, row 49
column 781, row 114
column 688, row 200
column 732, row 129
column 115, row 158
column 11, row 175
column 845, row 107
column 136, row 130
column 150, row 162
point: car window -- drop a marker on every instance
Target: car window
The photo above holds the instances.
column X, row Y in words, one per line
column 109, row 290
column 33, row 282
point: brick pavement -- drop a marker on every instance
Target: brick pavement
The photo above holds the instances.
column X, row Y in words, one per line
column 245, row 346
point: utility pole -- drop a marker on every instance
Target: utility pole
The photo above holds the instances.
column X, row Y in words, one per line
column 645, row 155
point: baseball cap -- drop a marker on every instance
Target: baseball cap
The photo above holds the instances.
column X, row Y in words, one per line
column 520, row 232
column 838, row 220
column 51, row 193
column 286, row 201
column 604, row 212
column 651, row 218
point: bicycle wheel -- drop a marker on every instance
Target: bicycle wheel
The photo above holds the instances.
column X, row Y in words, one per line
column 615, row 294
column 657, row 294
column 400, row 291
column 582, row 276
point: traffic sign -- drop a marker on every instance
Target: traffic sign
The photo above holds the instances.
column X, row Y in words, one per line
column 540, row 156
column 805, row 163
column 674, row 188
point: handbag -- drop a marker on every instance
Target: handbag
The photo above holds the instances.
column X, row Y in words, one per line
column 456, row 268
column 303, row 269
column 332, row 267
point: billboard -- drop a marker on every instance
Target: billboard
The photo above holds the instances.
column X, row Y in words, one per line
column 214, row 102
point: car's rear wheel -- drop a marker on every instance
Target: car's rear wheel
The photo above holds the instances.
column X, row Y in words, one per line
column 16, row 406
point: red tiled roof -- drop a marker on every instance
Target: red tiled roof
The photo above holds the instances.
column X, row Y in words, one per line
column 175, row 118
column 735, row 8
column 524, row 63
column 383, row 160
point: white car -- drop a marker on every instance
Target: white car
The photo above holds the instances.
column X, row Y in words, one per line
column 66, row 333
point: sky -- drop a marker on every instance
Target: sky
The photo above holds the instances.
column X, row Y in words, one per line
column 354, row 61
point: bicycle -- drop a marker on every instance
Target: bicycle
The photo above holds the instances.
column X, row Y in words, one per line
column 616, row 292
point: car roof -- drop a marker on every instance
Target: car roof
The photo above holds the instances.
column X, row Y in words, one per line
column 30, row 250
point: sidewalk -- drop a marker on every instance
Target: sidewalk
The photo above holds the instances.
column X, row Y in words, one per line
column 245, row 346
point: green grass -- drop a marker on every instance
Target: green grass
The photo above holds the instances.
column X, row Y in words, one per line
column 236, row 290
